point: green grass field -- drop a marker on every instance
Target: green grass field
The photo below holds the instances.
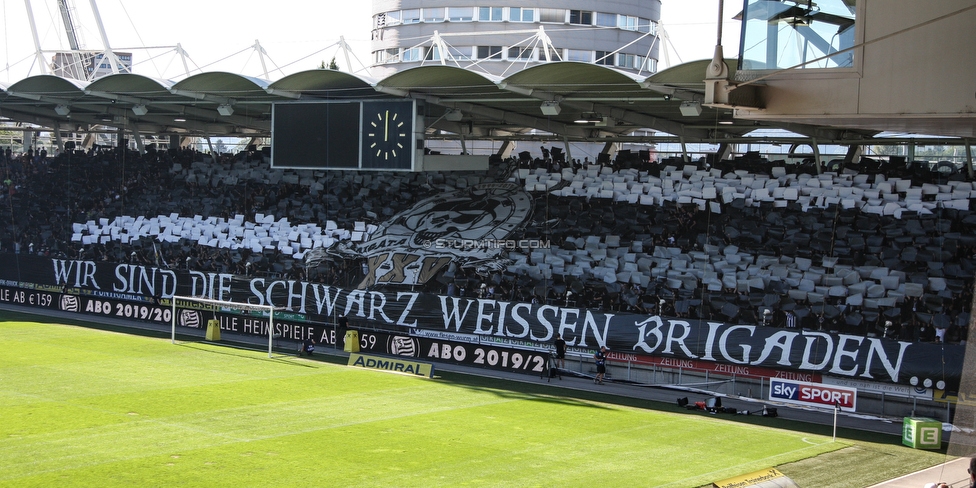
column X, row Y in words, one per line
column 88, row 407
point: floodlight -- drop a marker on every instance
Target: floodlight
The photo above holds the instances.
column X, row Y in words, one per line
column 550, row 107
column 690, row 109
column 225, row 109
column 588, row 118
column 454, row 115
column 140, row 109
column 62, row 109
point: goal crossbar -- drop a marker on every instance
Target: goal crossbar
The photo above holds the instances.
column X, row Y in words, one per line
column 217, row 304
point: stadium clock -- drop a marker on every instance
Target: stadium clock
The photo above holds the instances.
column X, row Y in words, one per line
column 388, row 135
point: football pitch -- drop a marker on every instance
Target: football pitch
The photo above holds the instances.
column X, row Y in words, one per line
column 88, row 407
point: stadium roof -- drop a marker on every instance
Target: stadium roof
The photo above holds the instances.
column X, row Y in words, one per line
column 595, row 103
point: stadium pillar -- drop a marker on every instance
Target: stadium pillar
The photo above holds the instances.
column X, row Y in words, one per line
column 816, row 155
column 723, row 151
column 853, row 155
column 610, row 149
column 569, row 155
column 969, row 157
column 174, row 141
column 28, row 140
column 135, row 134
column 506, row 149
column 57, row 137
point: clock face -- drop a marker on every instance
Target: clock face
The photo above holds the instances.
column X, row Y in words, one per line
column 388, row 136
column 387, row 133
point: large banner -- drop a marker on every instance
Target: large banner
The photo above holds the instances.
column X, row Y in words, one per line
column 37, row 281
column 469, row 227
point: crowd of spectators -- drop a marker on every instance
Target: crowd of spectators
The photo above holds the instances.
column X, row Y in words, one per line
column 43, row 195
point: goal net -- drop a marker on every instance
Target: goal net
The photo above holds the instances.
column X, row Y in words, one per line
column 193, row 312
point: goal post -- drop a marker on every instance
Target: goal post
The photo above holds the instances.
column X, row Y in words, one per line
column 211, row 305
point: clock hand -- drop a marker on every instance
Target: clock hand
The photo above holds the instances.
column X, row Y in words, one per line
column 386, row 127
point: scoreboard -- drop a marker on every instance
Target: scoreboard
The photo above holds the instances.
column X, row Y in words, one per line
column 379, row 135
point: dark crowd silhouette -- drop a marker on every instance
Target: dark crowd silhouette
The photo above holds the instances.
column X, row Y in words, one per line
column 823, row 265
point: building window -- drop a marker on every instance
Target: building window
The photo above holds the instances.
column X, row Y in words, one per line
column 460, row 14
column 606, row 20
column 490, row 52
column 577, row 55
column 553, row 53
column 627, row 22
column 490, row 14
column 604, row 58
column 552, row 15
column 393, row 18
column 630, row 61
column 794, row 36
column 520, row 53
column 411, row 16
column 460, row 53
column 411, row 55
column 386, row 56
column 434, row 14
column 646, row 26
column 432, row 54
column 518, row 14
column 580, row 17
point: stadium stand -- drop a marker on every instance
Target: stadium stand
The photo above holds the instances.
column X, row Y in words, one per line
column 875, row 249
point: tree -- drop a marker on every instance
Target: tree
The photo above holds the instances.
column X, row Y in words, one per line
column 332, row 65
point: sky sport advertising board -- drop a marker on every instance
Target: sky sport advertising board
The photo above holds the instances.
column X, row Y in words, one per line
column 813, row 394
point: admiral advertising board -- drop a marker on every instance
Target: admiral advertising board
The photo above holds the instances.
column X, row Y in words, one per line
column 394, row 365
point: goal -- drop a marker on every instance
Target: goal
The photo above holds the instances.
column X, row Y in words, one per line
column 198, row 304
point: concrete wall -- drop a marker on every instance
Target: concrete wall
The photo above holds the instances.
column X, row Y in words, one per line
column 912, row 79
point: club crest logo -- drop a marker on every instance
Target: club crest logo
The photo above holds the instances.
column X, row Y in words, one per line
column 403, row 346
column 190, row 318
column 69, row 303
column 482, row 212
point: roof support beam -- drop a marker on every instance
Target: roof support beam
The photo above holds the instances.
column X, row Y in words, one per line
column 524, row 120
column 116, row 96
column 284, row 93
column 491, row 113
column 663, row 125
column 202, row 96
column 41, row 98
column 644, row 121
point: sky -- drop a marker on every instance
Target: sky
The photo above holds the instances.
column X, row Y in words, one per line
column 220, row 35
